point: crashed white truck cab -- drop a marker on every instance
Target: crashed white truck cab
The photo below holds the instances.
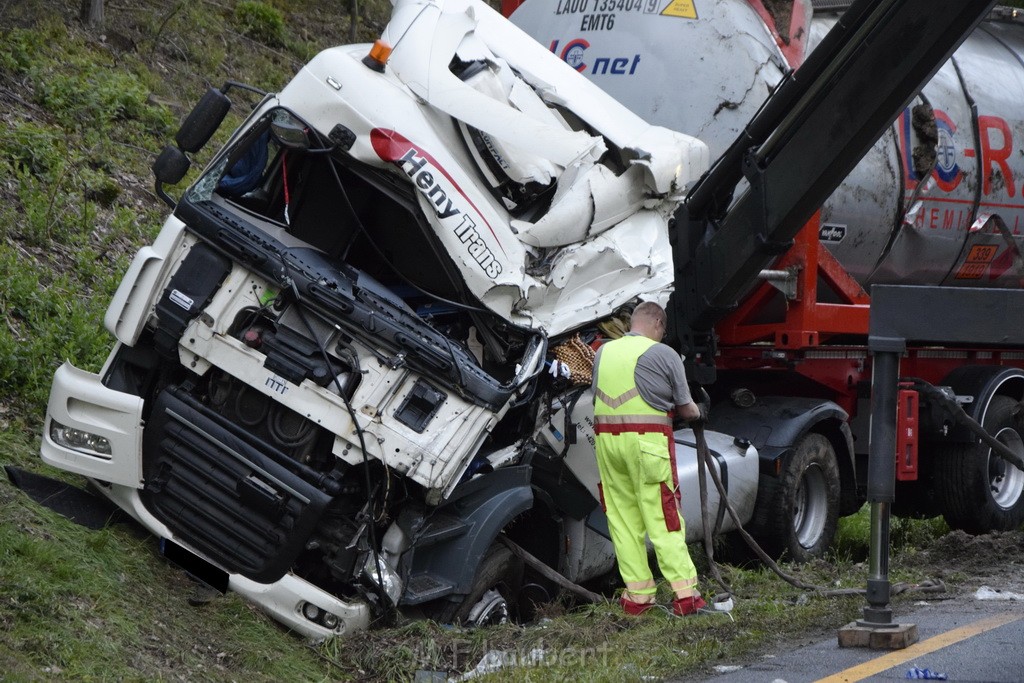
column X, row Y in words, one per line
column 330, row 390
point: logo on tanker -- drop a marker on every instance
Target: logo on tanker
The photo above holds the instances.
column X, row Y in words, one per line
column 440, row 189
column 994, row 153
column 572, row 53
column 947, row 171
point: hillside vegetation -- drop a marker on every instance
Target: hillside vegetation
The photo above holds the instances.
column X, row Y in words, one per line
column 84, row 113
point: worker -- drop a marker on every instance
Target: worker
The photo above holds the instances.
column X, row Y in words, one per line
column 638, row 382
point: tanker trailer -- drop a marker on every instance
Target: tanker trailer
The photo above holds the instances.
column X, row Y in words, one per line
column 936, row 201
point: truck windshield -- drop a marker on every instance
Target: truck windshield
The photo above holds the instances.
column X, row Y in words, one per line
column 306, row 190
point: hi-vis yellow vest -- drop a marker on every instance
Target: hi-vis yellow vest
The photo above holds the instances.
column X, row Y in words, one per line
column 618, row 406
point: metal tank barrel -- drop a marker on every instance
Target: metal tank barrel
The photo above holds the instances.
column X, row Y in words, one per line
column 938, row 200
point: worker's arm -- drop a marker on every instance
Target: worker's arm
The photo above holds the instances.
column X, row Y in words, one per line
column 688, row 411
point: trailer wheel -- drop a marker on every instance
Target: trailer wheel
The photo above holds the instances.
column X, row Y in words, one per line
column 492, row 597
column 799, row 510
column 980, row 492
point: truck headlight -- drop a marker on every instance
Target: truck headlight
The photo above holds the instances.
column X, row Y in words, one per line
column 319, row 615
column 389, row 582
column 79, row 440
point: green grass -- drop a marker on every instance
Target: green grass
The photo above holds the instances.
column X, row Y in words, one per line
column 76, row 202
column 600, row 643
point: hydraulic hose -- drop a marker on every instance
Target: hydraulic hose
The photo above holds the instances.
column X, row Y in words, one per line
column 1000, row 449
column 704, row 461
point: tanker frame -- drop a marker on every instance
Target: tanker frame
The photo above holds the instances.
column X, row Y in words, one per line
column 771, row 305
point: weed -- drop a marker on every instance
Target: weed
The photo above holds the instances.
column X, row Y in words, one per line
column 911, row 533
column 261, row 22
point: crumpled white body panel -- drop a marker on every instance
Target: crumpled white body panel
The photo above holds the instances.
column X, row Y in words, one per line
column 601, row 241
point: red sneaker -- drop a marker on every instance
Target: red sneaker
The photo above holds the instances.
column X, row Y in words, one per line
column 683, row 606
column 635, row 608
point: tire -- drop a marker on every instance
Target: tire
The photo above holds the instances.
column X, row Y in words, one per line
column 980, row 492
column 492, row 597
column 797, row 513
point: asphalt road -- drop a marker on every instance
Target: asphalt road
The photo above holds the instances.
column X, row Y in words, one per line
column 966, row 638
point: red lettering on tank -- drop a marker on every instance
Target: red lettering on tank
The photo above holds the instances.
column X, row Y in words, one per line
column 996, row 156
column 948, row 219
column 996, row 148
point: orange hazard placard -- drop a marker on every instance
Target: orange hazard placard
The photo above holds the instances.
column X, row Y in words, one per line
column 977, row 262
column 680, row 8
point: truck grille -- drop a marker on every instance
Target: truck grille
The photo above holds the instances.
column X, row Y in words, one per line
column 223, row 492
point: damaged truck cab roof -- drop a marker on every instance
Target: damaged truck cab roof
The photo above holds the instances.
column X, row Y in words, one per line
column 550, row 197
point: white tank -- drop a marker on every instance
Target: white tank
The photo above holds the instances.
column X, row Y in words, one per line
column 938, row 200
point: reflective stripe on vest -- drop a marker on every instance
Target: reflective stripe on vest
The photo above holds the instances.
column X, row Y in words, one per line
column 617, row 424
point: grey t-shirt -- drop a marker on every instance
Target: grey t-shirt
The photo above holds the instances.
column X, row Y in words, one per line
column 659, row 376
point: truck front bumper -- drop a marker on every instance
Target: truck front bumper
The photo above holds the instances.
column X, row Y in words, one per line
column 97, row 432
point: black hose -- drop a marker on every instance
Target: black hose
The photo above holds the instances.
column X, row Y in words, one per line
column 704, row 458
column 702, row 466
column 933, row 393
column 704, row 455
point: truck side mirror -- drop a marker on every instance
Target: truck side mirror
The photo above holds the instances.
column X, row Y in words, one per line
column 203, row 121
column 290, row 134
column 170, row 167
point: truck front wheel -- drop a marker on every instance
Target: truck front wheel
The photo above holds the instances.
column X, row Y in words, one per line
column 978, row 491
column 798, row 511
column 493, row 594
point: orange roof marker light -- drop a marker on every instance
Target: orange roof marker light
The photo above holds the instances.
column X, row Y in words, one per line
column 378, row 55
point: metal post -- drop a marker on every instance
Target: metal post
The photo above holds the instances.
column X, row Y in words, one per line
column 881, row 483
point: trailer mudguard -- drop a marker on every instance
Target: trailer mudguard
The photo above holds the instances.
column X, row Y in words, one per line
column 477, row 510
column 775, row 423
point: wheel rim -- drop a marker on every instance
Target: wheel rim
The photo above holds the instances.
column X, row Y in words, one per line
column 811, row 506
column 491, row 610
column 1006, row 482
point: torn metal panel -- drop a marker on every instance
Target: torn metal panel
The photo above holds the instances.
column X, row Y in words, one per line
column 426, row 36
column 505, row 112
column 586, row 282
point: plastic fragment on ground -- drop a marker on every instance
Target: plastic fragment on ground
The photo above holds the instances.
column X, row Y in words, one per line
column 926, row 674
column 986, row 593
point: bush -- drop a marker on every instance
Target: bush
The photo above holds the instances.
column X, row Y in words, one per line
column 98, row 99
column 261, row 22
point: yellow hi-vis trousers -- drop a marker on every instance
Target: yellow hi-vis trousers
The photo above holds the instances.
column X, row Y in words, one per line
column 640, row 493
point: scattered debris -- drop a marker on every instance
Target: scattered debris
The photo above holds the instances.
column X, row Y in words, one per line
column 926, row 674
column 495, row 660
column 986, row 593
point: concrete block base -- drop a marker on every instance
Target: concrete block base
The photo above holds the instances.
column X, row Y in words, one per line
column 878, row 636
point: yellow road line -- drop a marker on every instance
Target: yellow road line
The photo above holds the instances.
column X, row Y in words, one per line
column 897, row 657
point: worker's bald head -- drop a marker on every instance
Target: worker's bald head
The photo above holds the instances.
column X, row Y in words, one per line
column 648, row 319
